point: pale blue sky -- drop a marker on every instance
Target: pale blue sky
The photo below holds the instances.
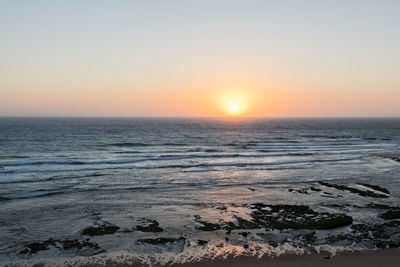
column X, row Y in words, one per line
column 57, row 55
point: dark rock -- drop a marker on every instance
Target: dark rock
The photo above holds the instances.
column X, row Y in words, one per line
column 378, row 206
column 153, row 227
column 393, row 213
column 206, row 226
column 75, row 244
column 202, row 242
column 103, row 229
column 315, row 189
column 300, row 191
column 246, row 246
column 367, row 193
column 66, row 244
column 395, row 159
column 376, row 187
column 280, row 217
column 392, row 224
column 382, row 236
column 244, row 234
column 35, row 247
column 242, row 224
column 296, row 217
column 159, row 241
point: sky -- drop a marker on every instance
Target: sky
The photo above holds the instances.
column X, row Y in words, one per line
column 200, row 58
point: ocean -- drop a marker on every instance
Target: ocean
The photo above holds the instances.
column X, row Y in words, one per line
column 84, row 190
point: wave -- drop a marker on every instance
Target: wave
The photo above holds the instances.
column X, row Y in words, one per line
column 31, row 195
column 42, row 161
column 154, row 186
column 52, row 178
column 244, row 164
column 125, row 161
column 185, row 166
column 172, row 144
column 329, row 136
column 127, row 144
column 138, row 144
column 128, row 152
column 308, row 146
column 64, row 161
column 279, row 162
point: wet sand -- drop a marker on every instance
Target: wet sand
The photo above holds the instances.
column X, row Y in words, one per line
column 382, row 258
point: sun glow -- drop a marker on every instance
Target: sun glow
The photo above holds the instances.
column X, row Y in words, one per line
column 234, row 108
column 234, row 103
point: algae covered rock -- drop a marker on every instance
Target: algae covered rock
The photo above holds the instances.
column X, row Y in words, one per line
column 279, row 217
column 159, row 241
column 296, row 217
column 65, row 244
column 393, row 213
column 102, row 229
column 153, row 227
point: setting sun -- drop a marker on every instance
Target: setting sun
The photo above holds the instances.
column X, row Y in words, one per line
column 234, row 103
column 235, row 108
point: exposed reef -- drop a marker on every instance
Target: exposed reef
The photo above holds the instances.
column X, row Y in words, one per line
column 159, row 241
column 376, row 188
column 392, row 213
column 366, row 193
column 296, row 217
column 66, row 244
column 279, row 217
column 154, row 227
column 104, row 228
column 394, row 158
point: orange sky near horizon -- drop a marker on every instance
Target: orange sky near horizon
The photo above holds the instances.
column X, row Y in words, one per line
column 203, row 100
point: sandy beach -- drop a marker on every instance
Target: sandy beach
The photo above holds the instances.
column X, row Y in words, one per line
column 385, row 257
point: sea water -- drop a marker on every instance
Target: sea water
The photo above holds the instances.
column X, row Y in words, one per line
column 59, row 176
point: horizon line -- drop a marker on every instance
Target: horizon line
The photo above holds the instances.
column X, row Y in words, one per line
column 201, row 117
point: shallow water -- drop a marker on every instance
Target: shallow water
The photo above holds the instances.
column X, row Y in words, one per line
column 59, row 176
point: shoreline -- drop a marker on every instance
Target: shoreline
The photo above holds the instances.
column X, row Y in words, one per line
column 389, row 257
